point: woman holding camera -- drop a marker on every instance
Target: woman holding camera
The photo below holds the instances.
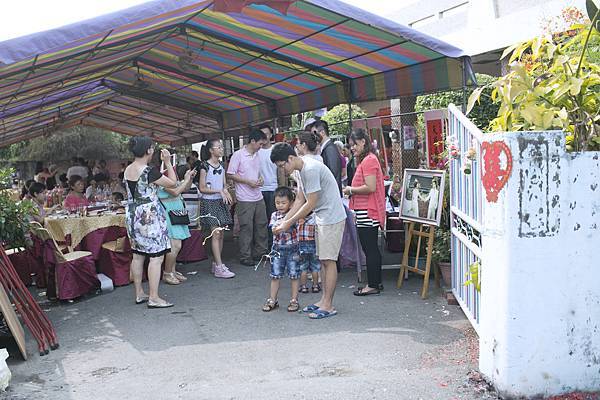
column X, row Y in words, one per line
column 146, row 219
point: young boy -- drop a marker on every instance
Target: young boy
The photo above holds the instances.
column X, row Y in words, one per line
column 309, row 263
column 285, row 250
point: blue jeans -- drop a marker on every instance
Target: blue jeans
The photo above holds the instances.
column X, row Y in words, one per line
column 287, row 259
column 309, row 262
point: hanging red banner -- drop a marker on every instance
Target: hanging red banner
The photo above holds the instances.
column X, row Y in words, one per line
column 434, row 126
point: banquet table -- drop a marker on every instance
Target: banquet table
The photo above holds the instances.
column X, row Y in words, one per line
column 87, row 233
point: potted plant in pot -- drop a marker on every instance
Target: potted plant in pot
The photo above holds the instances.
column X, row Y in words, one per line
column 441, row 255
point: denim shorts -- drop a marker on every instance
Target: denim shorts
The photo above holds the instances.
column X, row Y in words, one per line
column 288, row 259
column 309, row 262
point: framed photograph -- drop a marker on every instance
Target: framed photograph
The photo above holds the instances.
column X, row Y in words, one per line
column 422, row 196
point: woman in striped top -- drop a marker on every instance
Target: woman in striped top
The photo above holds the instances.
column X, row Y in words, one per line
column 367, row 199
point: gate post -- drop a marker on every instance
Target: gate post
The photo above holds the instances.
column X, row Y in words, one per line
column 539, row 327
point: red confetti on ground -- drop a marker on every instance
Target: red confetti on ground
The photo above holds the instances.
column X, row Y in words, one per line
column 576, row 396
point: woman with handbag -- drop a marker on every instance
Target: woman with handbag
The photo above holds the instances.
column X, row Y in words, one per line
column 367, row 199
column 146, row 219
column 177, row 221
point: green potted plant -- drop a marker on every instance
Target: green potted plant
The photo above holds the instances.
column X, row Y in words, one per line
column 14, row 223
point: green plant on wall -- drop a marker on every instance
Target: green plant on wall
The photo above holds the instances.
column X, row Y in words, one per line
column 552, row 84
column 13, row 215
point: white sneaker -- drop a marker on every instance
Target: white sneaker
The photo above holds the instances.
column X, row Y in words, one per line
column 221, row 271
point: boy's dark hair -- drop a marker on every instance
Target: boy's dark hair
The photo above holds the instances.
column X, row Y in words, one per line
column 281, row 152
column 194, row 153
column 284, row 191
column 256, row 135
column 36, row 188
column 320, row 125
column 118, row 196
column 100, row 177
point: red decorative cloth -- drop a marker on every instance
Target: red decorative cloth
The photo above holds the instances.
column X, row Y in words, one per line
column 192, row 249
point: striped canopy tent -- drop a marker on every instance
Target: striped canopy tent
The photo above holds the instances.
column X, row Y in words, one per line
column 184, row 70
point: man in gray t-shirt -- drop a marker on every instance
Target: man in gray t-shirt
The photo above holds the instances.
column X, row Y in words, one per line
column 319, row 194
column 316, row 177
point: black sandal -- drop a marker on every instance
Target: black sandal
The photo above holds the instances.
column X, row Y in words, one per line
column 303, row 289
column 316, row 288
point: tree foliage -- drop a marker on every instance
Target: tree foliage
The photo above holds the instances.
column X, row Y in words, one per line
column 87, row 142
column 481, row 115
column 338, row 118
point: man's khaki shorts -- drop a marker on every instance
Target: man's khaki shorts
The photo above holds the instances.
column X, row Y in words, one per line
column 329, row 240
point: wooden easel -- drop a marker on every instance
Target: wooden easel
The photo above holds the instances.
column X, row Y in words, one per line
column 421, row 233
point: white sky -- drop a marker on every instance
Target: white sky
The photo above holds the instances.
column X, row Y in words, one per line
column 22, row 17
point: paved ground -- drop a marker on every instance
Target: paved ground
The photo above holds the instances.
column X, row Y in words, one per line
column 217, row 344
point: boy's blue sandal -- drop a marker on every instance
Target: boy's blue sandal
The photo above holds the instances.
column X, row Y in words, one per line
column 320, row 314
column 310, row 308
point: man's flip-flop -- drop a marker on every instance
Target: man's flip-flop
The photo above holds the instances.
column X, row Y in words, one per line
column 310, row 308
column 320, row 314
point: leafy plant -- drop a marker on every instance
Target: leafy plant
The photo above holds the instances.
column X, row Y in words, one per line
column 552, row 84
column 441, row 246
column 338, row 118
column 13, row 215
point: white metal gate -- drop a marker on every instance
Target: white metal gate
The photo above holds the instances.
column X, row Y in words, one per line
column 465, row 210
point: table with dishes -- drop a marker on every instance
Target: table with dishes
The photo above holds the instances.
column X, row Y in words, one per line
column 87, row 229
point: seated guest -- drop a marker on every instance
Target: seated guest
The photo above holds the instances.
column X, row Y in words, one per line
column 116, row 200
column 75, row 198
column 25, row 190
column 37, row 191
column 97, row 188
column 116, row 185
column 63, row 182
column 100, row 168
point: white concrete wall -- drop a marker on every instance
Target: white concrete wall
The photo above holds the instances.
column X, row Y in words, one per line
column 540, row 280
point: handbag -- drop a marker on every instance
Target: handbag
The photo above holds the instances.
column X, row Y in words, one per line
column 178, row 217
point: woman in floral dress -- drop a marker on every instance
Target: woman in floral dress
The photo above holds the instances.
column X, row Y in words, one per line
column 146, row 219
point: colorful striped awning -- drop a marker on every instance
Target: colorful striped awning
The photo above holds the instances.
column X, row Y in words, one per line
column 181, row 71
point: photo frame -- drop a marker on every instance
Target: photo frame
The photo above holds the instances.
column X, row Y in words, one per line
column 422, row 196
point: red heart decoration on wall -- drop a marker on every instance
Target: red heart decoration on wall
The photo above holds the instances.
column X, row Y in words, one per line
column 493, row 175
